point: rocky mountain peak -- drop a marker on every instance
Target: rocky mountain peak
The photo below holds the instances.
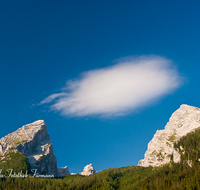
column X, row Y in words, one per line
column 88, row 170
column 24, row 134
column 63, row 171
column 182, row 121
column 184, row 114
column 33, row 141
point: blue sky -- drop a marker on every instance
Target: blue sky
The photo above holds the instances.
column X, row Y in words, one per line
column 103, row 75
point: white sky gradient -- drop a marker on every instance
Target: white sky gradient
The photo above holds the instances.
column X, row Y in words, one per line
column 118, row 89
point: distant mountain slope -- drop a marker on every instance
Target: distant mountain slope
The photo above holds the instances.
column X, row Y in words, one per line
column 183, row 175
column 32, row 141
column 183, row 121
column 180, row 176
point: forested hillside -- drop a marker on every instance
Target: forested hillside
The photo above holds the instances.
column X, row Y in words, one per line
column 183, row 175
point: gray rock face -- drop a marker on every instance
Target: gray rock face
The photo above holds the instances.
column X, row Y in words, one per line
column 88, row 170
column 33, row 141
column 184, row 120
column 63, row 171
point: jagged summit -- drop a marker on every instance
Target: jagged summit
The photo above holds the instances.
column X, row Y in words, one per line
column 23, row 134
column 182, row 121
column 88, row 170
column 33, row 141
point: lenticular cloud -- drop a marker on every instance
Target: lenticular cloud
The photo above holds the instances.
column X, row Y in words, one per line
column 118, row 89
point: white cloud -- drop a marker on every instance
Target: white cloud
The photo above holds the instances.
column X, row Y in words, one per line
column 118, row 89
column 52, row 97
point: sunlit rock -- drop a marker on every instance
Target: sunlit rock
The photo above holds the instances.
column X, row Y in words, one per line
column 184, row 120
column 33, row 141
column 88, row 170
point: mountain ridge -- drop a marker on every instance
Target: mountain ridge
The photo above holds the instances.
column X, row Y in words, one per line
column 183, row 121
column 32, row 141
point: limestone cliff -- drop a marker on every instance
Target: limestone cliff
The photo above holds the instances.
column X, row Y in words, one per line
column 63, row 171
column 88, row 170
column 33, row 141
column 182, row 121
